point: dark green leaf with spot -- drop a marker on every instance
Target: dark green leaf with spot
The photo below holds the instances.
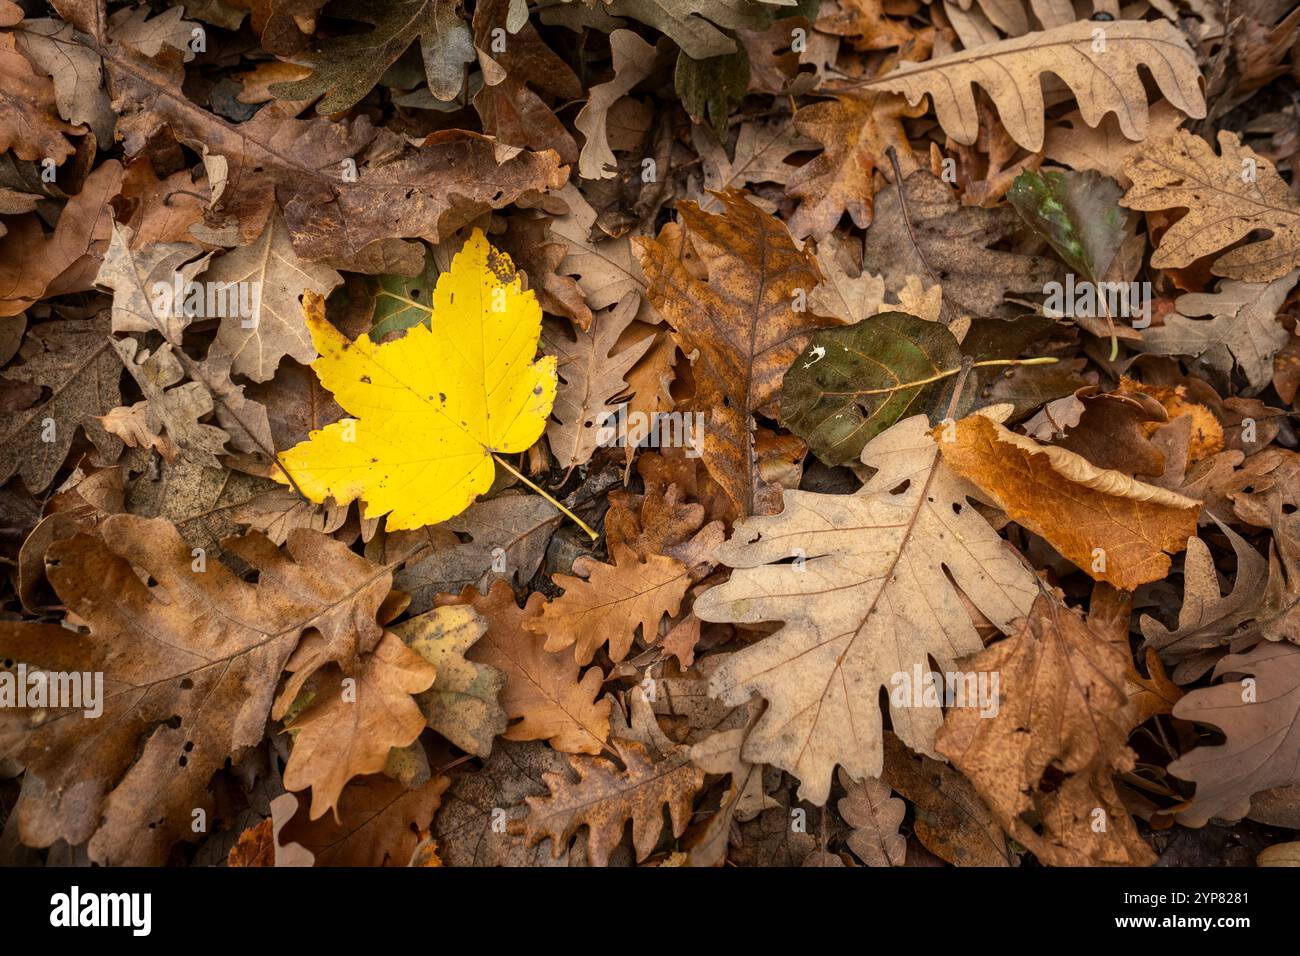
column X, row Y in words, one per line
column 852, row 383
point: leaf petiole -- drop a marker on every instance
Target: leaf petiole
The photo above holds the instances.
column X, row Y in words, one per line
column 541, row 491
column 947, row 373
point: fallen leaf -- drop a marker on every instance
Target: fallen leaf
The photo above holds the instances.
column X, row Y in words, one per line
column 1280, row 854
column 508, row 536
column 744, row 323
column 603, row 797
column 608, row 602
column 256, row 847
column 848, row 298
column 75, row 360
column 859, row 608
column 692, row 25
column 534, row 249
column 1110, row 613
column 479, row 810
column 951, row 819
column 875, row 817
column 203, row 649
column 462, row 703
column 591, row 380
column 1062, row 707
column 1226, row 197
column 1077, row 213
column 850, row 384
column 605, row 269
column 352, row 722
column 446, row 396
column 76, row 72
column 169, row 407
column 1114, row 430
column 1243, row 331
column 278, row 279
column 428, row 191
column 1111, row 526
column 1208, row 618
column 346, row 68
column 633, row 61
column 925, row 232
column 855, row 131
column 374, row 825
column 1103, row 74
column 1258, row 720
column 543, row 693
column 661, row 522
column 760, row 155
column 1103, row 147
column 30, row 262
column 31, row 126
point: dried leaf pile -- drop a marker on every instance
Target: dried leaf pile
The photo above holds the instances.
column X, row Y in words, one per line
column 649, row 432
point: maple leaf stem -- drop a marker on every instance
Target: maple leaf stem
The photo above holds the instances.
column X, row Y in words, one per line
column 541, row 491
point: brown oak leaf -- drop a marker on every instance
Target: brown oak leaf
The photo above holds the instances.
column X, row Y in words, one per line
column 190, row 666
column 745, row 324
column 353, row 721
column 544, row 695
column 603, row 797
column 1054, row 742
column 609, row 602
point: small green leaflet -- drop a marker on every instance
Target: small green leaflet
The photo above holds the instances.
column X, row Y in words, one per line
column 1080, row 217
column 1077, row 213
column 404, row 301
column 710, row 89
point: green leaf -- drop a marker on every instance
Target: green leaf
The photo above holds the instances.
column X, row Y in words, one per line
column 346, row 68
column 1077, row 213
column 710, row 88
column 404, row 301
column 852, row 383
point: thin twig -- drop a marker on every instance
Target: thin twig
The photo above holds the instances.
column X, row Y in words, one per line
column 907, row 219
column 967, row 363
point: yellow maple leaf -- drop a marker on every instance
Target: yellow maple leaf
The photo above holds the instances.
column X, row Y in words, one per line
column 431, row 410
